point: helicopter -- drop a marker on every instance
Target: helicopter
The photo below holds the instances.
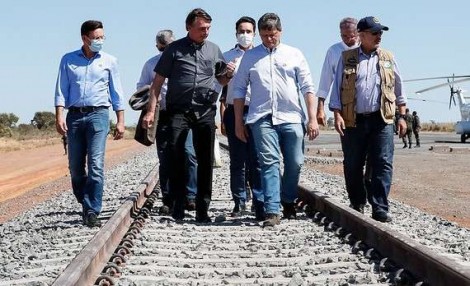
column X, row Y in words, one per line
column 462, row 127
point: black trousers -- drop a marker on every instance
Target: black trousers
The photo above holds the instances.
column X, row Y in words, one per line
column 203, row 129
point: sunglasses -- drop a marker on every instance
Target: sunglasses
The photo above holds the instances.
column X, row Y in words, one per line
column 375, row 33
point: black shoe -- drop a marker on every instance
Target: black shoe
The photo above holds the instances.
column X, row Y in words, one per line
column 359, row 208
column 91, row 220
column 405, row 146
column 271, row 220
column 410, row 146
column 238, row 211
column 203, row 219
column 288, row 210
column 382, row 217
column 165, row 210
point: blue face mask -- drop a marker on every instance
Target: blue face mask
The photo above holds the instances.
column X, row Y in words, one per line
column 96, row 45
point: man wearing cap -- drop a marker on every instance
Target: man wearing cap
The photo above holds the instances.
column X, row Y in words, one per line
column 366, row 89
column 164, row 38
column 349, row 40
column 88, row 83
column 192, row 65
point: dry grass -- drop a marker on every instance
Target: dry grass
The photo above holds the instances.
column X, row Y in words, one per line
column 9, row 144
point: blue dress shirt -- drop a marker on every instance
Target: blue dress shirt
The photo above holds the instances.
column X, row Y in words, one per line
column 147, row 75
column 276, row 79
column 89, row 82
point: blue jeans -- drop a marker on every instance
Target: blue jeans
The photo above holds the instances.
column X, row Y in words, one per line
column 272, row 141
column 372, row 138
column 243, row 163
column 86, row 135
column 163, row 151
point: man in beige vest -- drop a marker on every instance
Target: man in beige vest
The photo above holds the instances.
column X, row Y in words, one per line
column 366, row 89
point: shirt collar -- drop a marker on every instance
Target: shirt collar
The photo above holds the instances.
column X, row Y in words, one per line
column 81, row 53
column 374, row 53
column 192, row 43
column 274, row 49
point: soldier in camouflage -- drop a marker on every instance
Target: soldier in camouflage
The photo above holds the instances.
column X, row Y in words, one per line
column 409, row 122
column 416, row 127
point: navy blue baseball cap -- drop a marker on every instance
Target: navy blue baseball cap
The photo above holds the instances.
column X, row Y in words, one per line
column 371, row 24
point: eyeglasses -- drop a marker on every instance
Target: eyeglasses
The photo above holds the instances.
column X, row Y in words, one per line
column 102, row 38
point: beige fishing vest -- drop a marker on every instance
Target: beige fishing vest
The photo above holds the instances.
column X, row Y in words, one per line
column 348, row 87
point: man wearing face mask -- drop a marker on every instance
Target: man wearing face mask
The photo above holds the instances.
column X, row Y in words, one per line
column 164, row 38
column 88, row 83
column 243, row 158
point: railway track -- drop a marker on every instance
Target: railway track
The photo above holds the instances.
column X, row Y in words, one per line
column 327, row 245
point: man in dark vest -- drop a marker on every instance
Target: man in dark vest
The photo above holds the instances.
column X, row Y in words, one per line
column 366, row 89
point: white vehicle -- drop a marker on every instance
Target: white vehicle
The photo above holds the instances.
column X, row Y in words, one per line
column 462, row 127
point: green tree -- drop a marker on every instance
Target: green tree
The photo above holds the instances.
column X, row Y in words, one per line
column 43, row 119
column 8, row 120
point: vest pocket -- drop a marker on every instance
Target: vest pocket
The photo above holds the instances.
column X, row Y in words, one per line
column 388, row 107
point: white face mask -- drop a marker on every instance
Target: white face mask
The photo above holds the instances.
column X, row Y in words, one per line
column 96, row 45
column 245, row 40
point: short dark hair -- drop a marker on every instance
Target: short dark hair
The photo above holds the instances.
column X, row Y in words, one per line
column 198, row 12
column 246, row 19
column 89, row 26
column 269, row 21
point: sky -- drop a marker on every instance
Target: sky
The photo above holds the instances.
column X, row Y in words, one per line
column 428, row 39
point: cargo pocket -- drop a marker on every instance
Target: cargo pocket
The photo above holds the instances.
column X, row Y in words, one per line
column 389, row 105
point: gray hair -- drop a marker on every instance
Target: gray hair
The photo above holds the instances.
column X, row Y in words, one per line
column 164, row 37
column 269, row 21
column 347, row 23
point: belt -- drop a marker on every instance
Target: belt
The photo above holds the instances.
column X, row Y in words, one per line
column 85, row 109
column 367, row 115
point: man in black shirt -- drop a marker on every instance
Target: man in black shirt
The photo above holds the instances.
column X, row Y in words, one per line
column 191, row 64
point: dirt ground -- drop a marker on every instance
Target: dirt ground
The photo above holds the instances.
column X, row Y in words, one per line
column 31, row 176
column 435, row 181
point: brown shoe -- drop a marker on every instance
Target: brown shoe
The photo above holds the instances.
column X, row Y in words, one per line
column 271, row 220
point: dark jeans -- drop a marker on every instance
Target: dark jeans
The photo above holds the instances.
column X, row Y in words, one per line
column 203, row 129
column 244, row 164
column 372, row 138
column 164, row 156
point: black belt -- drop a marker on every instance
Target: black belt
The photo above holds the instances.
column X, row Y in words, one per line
column 85, row 109
column 367, row 115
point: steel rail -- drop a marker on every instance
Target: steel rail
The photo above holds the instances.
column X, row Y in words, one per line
column 87, row 265
column 421, row 261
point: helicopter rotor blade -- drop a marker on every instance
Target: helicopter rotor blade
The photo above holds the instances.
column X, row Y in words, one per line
column 439, row 77
column 441, row 85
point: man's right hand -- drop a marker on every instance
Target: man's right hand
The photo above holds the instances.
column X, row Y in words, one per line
column 61, row 126
column 339, row 124
column 241, row 132
column 148, row 119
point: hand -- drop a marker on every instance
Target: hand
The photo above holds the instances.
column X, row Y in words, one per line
column 339, row 124
column 222, row 129
column 321, row 117
column 401, row 128
column 241, row 132
column 61, row 126
column 231, row 69
column 312, row 129
column 148, row 119
column 119, row 131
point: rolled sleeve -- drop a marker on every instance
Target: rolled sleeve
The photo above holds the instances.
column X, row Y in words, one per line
column 115, row 88
column 335, row 99
column 62, row 84
column 241, row 79
column 399, row 92
column 304, row 77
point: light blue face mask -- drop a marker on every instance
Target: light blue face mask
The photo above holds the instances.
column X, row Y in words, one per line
column 96, row 45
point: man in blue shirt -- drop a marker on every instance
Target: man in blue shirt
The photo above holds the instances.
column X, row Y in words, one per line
column 277, row 74
column 88, row 83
